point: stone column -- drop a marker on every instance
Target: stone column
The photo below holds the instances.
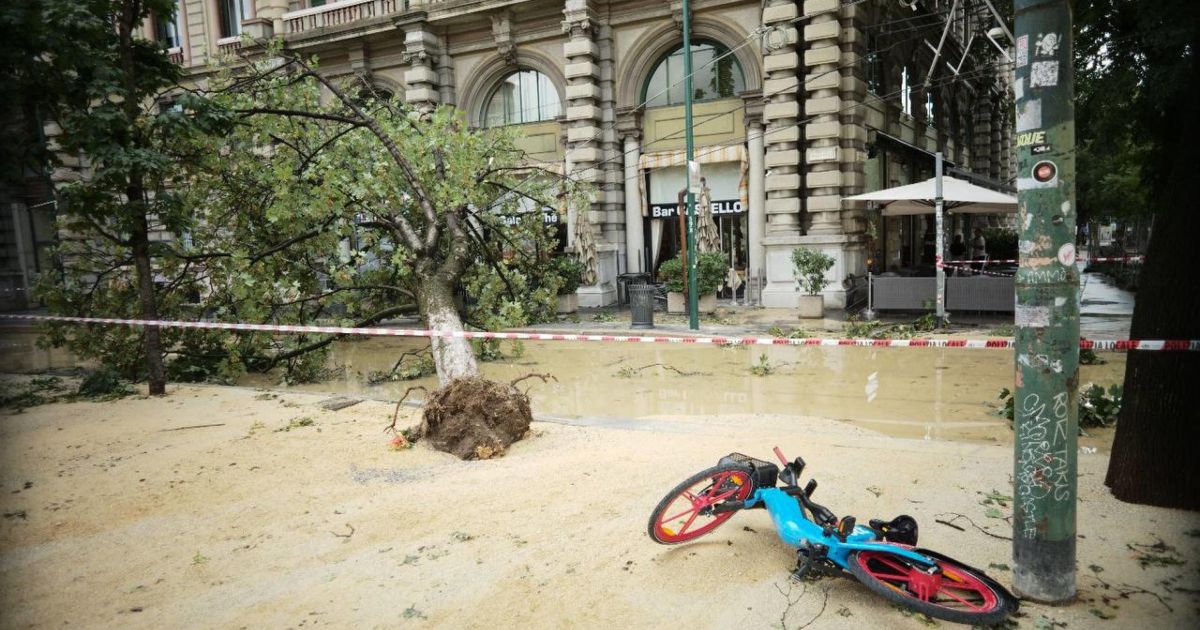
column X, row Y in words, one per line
column 421, row 52
column 781, row 115
column 998, row 161
column 835, row 137
column 634, row 239
column 583, row 118
column 445, row 70
column 758, row 197
column 822, row 155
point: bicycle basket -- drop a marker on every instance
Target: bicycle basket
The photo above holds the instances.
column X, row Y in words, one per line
column 764, row 473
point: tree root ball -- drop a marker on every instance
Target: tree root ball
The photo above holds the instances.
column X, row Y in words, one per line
column 475, row 418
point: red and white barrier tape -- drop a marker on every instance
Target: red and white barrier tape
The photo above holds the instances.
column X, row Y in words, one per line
column 1088, row 344
column 1013, row 261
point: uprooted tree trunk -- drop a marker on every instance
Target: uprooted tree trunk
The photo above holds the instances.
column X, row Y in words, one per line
column 452, row 356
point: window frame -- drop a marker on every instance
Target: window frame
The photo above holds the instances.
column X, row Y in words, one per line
column 543, row 86
column 718, row 49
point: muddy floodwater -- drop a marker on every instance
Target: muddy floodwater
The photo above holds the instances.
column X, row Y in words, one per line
column 931, row 393
column 907, row 392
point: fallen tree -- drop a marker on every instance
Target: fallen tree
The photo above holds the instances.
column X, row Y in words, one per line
column 377, row 203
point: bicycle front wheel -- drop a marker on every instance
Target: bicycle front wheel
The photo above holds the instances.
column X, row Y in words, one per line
column 956, row 593
column 686, row 513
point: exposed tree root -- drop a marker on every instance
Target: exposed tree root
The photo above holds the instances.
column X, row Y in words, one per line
column 396, row 414
column 473, row 417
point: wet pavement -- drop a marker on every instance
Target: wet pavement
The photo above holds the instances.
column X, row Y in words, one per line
column 1105, row 311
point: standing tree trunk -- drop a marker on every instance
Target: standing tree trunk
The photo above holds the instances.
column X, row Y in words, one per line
column 135, row 193
column 149, row 308
column 1153, row 457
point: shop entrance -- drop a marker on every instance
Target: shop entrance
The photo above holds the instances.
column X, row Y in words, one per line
column 661, row 223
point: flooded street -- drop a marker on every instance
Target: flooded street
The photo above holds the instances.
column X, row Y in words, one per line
column 929, row 393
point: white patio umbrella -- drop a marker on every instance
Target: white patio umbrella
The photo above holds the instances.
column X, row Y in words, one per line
column 934, row 196
column 959, row 196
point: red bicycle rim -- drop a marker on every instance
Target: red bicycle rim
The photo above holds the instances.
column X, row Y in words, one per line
column 683, row 518
column 954, row 589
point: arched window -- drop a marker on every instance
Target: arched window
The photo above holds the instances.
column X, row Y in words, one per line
column 524, row 96
column 712, row 79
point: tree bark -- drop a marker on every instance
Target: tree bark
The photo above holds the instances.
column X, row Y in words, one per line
column 452, row 356
column 155, row 376
column 1153, row 457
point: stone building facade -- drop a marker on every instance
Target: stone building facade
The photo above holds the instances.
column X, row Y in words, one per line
column 798, row 105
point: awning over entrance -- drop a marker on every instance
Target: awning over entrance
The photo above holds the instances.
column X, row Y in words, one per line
column 703, row 155
column 959, row 197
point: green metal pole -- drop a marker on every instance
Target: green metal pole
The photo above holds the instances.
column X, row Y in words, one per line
column 693, row 255
column 1047, row 310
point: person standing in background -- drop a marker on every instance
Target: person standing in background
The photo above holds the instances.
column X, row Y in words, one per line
column 978, row 248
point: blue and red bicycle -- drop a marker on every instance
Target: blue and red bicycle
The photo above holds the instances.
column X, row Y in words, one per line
column 882, row 555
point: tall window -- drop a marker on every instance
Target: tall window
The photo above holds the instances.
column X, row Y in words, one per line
column 716, row 75
column 874, row 68
column 232, row 12
column 905, row 92
column 524, row 96
column 930, row 111
column 166, row 28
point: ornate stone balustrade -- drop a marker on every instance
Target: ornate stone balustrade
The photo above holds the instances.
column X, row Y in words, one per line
column 341, row 14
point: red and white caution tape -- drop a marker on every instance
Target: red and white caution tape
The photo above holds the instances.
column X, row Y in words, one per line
column 1013, row 261
column 1089, row 344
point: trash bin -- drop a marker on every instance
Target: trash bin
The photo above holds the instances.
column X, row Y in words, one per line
column 626, row 280
column 641, row 305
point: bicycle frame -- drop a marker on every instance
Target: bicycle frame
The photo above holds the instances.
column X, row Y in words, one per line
column 796, row 530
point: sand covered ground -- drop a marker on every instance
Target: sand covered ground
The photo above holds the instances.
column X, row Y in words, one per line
column 228, row 507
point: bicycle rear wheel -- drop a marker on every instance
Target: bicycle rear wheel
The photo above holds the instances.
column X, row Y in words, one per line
column 956, row 593
column 686, row 513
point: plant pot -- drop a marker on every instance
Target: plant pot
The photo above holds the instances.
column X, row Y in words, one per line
column 812, row 306
column 568, row 303
column 677, row 304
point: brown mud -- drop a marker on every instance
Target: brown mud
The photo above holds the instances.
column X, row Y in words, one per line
column 474, row 418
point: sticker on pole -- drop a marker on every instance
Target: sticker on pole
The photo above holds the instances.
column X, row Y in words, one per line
column 1044, row 174
column 694, row 176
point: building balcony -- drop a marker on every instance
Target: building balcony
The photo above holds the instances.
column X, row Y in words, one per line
column 351, row 13
column 344, row 13
column 175, row 55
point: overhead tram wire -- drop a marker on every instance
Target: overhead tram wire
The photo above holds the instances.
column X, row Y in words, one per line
column 758, row 32
column 800, row 83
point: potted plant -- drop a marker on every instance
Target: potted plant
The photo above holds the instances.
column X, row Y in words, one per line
column 711, row 269
column 809, row 267
column 569, row 272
